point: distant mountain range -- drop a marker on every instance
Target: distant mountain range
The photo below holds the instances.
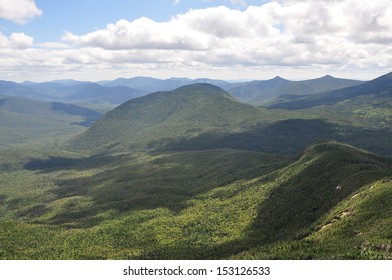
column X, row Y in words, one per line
column 151, row 84
column 200, row 115
column 70, row 92
column 120, row 90
column 203, row 116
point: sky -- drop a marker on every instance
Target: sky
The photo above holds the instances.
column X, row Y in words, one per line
column 93, row 40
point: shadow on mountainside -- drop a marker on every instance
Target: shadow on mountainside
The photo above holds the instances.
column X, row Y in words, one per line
column 65, row 163
column 289, row 137
column 141, row 181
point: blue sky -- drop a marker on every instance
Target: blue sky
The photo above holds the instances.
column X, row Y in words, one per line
column 224, row 39
column 83, row 16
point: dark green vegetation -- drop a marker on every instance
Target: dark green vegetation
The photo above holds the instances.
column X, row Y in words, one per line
column 215, row 204
column 195, row 174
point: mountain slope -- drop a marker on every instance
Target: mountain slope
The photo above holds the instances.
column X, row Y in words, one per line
column 260, row 92
column 339, row 208
column 25, row 121
column 287, row 137
column 326, row 174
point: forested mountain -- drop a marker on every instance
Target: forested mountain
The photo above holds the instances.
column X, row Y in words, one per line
column 158, row 119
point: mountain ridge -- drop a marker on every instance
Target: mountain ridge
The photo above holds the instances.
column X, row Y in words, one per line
column 379, row 86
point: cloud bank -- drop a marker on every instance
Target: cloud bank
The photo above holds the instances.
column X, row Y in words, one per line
column 287, row 34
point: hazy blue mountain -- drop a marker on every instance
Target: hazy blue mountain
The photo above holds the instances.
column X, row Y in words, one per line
column 148, row 84
column 24, row 106
column 95, row 93
column 152, row 84
column 69, row 82
column 121, row 90
column 28, row 83
column 28, row 121
column 69, row 91
column 18, row 90
column 260, row 92
column 52, row 91
column 218, row 83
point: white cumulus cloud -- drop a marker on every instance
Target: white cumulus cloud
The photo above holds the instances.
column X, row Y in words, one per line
column 292, row 32
column 142, row 33
column 16, row 41
column 19, row 11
